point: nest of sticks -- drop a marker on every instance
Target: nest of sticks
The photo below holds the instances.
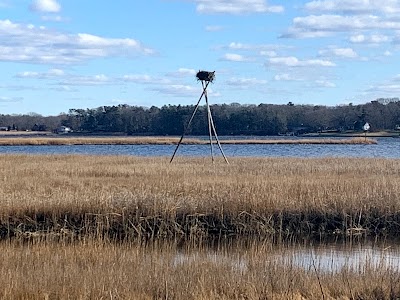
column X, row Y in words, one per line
column 205, row 76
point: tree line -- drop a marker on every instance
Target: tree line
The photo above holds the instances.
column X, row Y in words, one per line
column 229, row 119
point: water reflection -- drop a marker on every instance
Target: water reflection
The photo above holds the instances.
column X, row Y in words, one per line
column 334, row 258
column 324, row 258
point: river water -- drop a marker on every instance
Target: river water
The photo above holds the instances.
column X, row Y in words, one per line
column 325, row 257
column 385, row 148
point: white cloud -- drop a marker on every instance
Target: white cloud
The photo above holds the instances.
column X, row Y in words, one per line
column 46, row 6
column 358, row 38
column 56, row 72
column 100, row 79
column 236, row 7
column 178, row 90
column 31, row 44
column 354, row 6
column 396, row 38
column 324, row 25
column 303, row 34
column 339, row 52
column 235, row 57
column 344, row 23
column 254, row 47
column 64, row 80
column 389, row 88
column 325, row 83
column 286, row 77
column 239, row 46
column 268, row 53
column 28, row 74
column 185, row 71
column 52, row 73
column 246, row 82
column 64, row 88
column 140, row 78
column 369, row 39
column 291, row 61
column 52, row 18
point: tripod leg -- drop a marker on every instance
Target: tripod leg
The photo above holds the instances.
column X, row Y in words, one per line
column 216, row 136
column 209, row 123
column 190, row 121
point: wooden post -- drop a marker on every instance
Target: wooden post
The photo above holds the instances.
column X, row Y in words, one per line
column 209, row 123
column 190, row 121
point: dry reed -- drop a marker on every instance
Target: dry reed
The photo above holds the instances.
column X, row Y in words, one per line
column 72, row 225
column 100, row 270
column 127, row 197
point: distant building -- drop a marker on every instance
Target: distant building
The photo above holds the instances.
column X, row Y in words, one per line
column 63, row 129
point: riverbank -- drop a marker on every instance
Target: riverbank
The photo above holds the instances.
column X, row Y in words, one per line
column 149, row 198
column 71, row 140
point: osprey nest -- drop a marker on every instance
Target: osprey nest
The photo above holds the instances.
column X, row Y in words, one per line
column 205, row 76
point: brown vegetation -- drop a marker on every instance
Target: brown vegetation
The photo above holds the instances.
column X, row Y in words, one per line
column 102, row 270
column 123, row 197
column 86, row 227
column 169, row 141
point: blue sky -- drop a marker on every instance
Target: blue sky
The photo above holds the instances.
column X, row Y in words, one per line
column 59, row 54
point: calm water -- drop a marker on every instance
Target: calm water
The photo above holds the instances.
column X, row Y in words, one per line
column 386, row 147
column 323, row 257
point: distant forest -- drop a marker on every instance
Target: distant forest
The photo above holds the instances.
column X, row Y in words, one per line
column 229, row 119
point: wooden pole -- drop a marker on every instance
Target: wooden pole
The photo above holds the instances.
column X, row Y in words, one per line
column 216, row 137
column 190, row 121
column 209, row 123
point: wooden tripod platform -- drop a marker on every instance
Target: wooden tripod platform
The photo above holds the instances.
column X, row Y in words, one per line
column 205, row 78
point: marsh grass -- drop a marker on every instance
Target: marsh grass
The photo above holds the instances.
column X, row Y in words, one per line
column 36, row 141
column 89, row 227
column 94, row 269
column 131, row 197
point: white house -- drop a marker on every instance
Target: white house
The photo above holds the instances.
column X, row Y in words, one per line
column 63, row 129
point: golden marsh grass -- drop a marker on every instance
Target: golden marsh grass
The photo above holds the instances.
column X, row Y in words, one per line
column 14, row 141
column 90, row 227
column 92, row 269
column 125, row 197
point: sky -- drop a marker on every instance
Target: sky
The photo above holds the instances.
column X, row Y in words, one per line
column 57, row 55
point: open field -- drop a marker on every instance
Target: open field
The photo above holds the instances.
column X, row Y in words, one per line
column 125, row 197
column 63, row 140
column 93, row 269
